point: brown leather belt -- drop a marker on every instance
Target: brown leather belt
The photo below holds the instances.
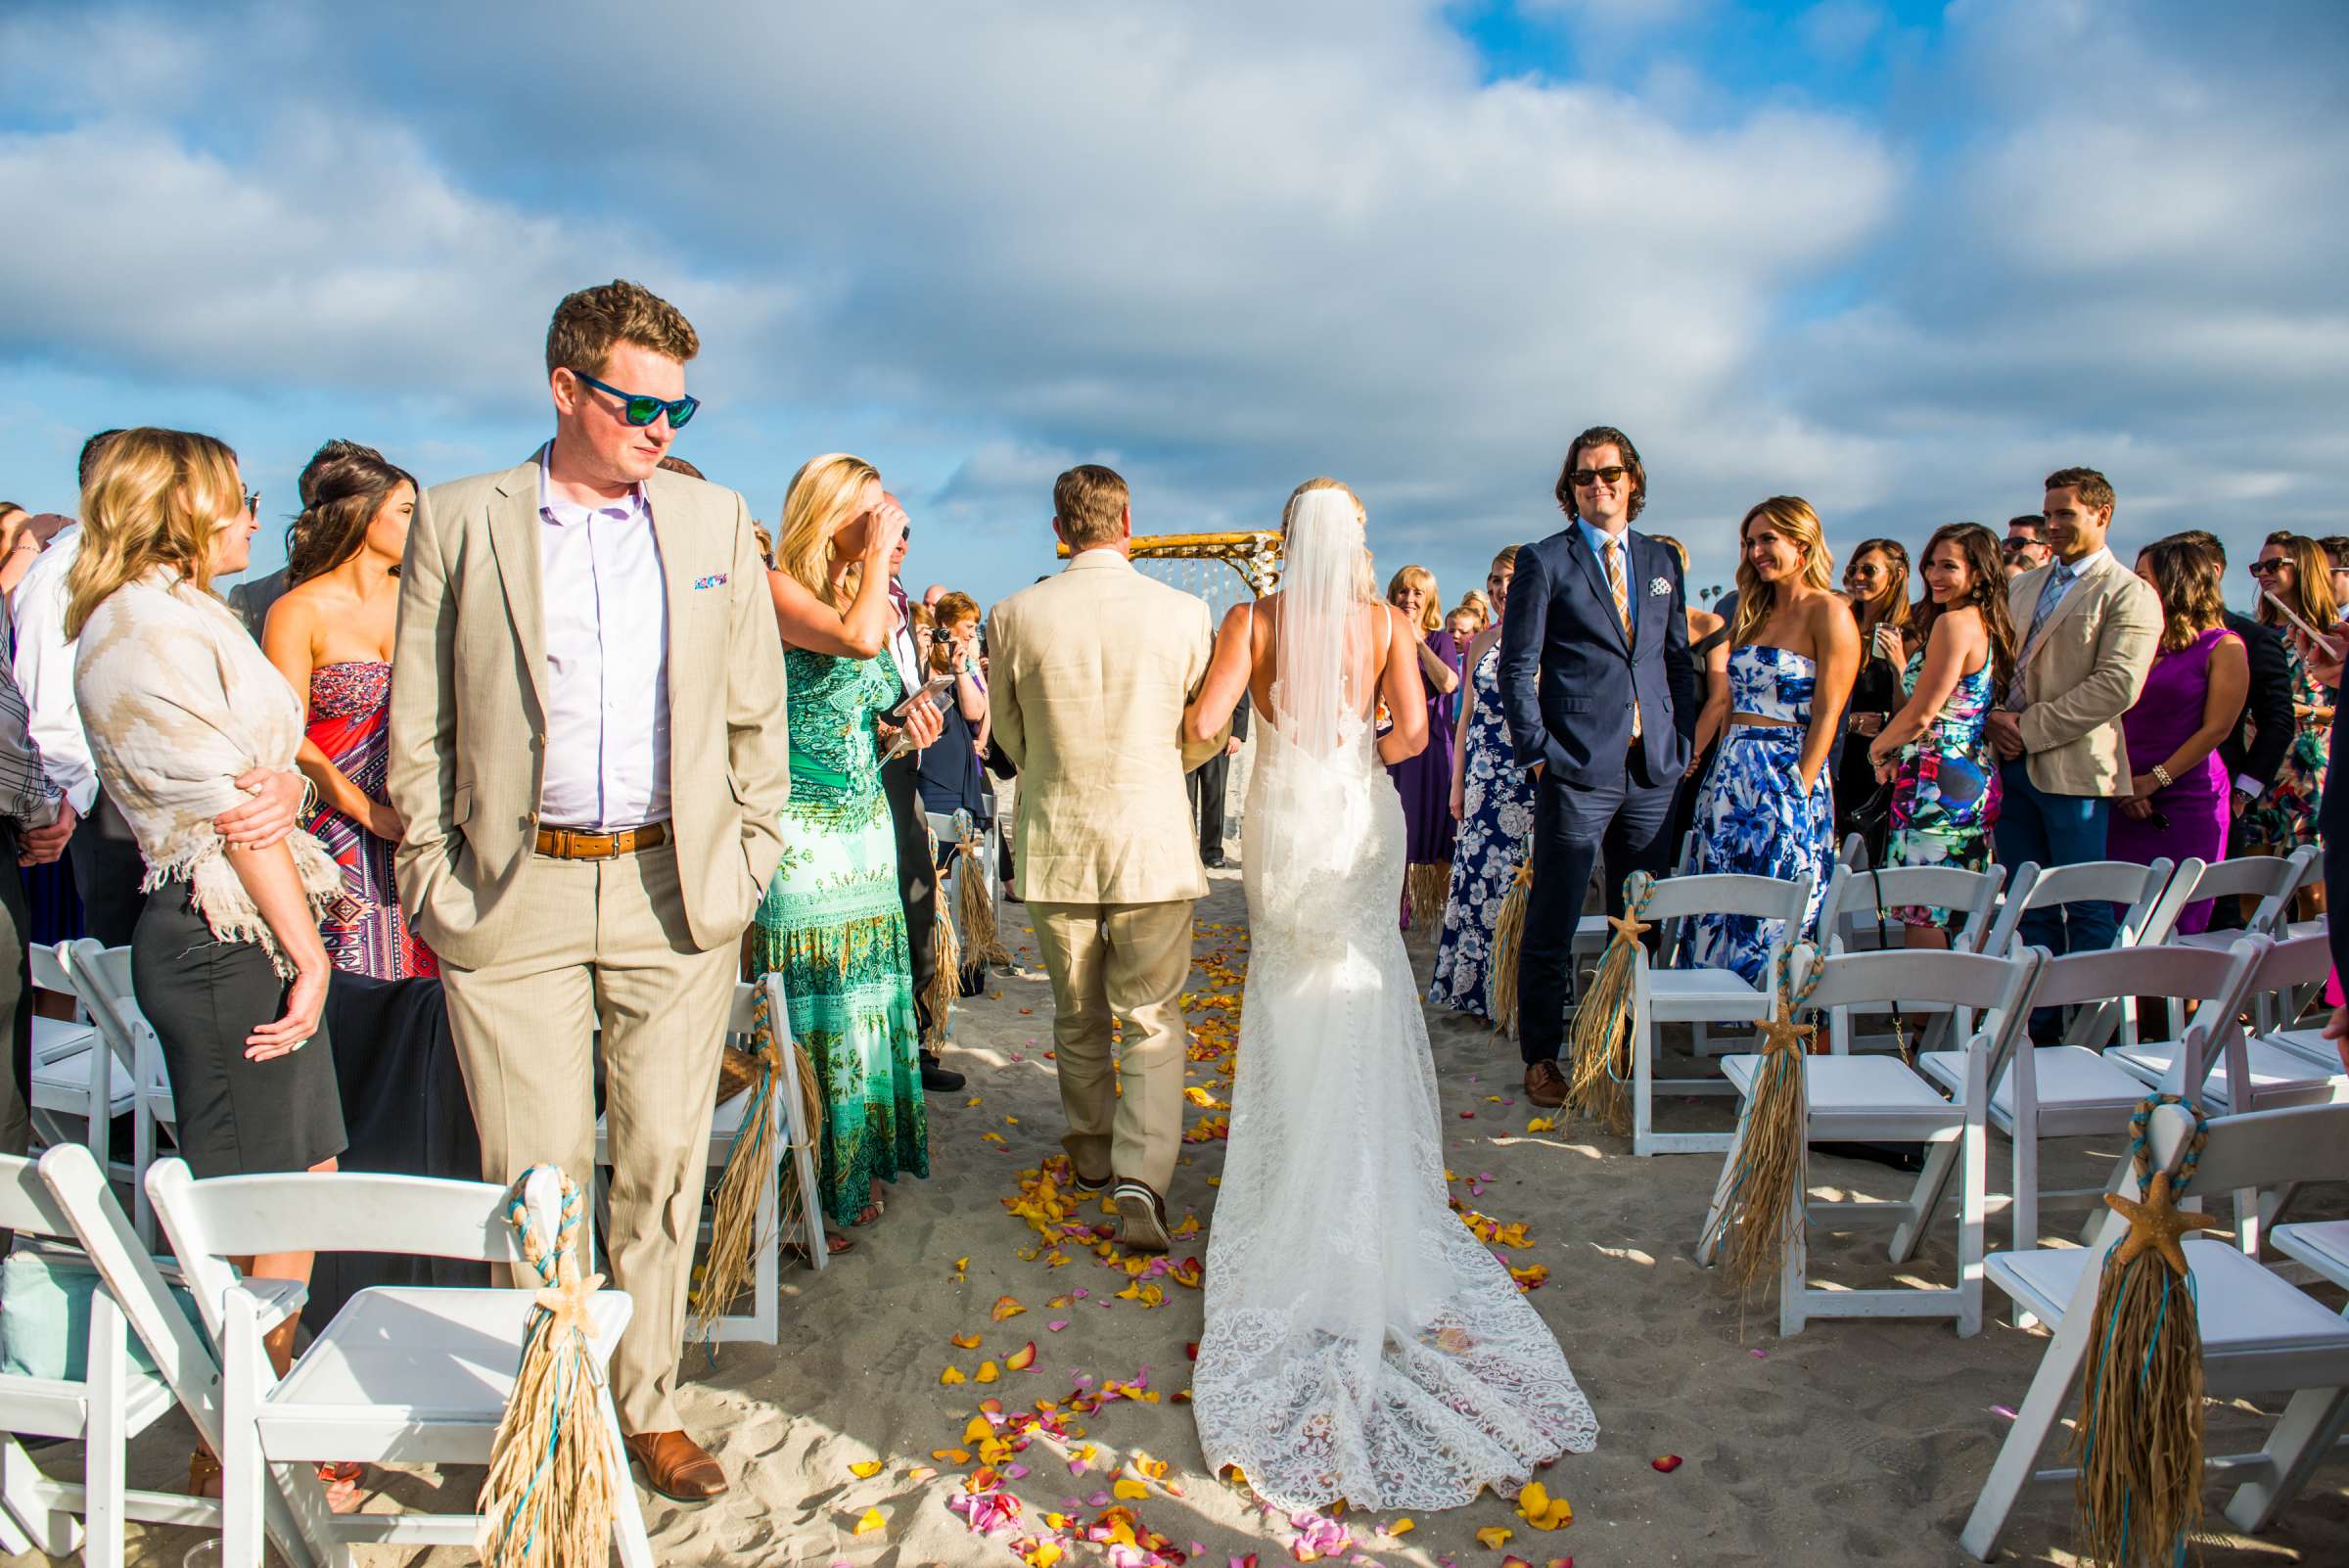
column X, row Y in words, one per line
column 577, row 844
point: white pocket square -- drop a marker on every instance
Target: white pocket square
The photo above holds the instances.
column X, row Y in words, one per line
column 1658, row 586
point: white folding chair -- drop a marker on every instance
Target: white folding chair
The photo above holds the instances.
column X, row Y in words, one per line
column 101, row 979
column 2321, row 1244
column 2269, row 877
column 111, row 1403
column 2068, row 1090
column 409, row 1375
column 72, row 1073
column 2207, row 1068
column 1663, row 994
column 1859, row 1098
column 2260, row 1335
column 1856, row 916
column 2137, row 889
column 762, row 1323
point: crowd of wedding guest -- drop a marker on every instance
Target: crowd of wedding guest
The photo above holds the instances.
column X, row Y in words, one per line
column 2030, row 696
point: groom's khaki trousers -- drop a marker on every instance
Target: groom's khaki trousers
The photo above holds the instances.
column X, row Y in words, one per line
column 605, row 940
column 1122, row 961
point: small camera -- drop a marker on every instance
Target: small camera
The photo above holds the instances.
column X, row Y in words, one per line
column 940, row 635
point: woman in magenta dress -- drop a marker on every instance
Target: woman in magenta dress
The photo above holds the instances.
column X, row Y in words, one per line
column 2178, row 794
column 1425, row 780
column 331, row 636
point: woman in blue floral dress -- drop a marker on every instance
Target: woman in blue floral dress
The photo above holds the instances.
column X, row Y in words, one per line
column 1767, row 807
column 1944, row 783
column 831, row 922
column 1492, row 799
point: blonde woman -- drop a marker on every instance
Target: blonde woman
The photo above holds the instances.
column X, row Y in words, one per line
column 1768, row 808
column 831, row 922
column 1424, row 781
column 182, row 711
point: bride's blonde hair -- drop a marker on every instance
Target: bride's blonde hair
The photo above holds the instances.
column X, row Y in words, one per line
column 1365, row 586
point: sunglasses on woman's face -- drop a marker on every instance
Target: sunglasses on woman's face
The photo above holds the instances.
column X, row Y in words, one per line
column 642, row 408
column 253, row 503
column 2266, row 568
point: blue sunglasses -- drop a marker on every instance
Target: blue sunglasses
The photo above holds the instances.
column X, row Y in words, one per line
column 642, row 408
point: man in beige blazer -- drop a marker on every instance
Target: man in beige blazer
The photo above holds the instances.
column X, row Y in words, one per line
column 1092, row 671
column 2090, row 626
column 589, row 756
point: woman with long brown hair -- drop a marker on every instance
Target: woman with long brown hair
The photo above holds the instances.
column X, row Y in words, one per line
column 2295, row 569
column 1768, row 808
column 1945, row 782
column 330, row 635
column 1876, row 582
column 2179, row 800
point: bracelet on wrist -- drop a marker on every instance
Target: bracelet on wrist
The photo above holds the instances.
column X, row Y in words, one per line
column 2161, row 776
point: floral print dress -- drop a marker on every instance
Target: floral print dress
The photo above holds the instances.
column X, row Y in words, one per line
column 1945, row 793
column 1497, row 823
column 833, row 924
column 1755, row 816
column 2285, row 817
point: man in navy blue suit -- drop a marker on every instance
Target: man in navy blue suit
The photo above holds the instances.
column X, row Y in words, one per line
column 1600, row 696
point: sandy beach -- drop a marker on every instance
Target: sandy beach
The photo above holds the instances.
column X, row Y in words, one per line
column 1852, row 1443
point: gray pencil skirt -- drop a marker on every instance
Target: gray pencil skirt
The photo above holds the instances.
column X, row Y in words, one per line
column 235, row 1116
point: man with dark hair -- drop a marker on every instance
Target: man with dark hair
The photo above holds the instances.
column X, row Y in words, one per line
column 2026, row 546
column 2254, row 750
column 2089, row 626
column 1600, row 694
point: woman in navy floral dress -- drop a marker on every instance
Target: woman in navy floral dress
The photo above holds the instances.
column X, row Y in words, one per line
column 1768, row 809
column 1492, row 799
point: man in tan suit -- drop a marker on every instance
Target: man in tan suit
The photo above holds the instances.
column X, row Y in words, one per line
column 1092, row 671
column 2088, row 625
column 588, row 753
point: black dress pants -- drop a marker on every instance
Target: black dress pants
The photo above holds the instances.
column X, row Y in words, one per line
column 917, row 883
column 1208, row 785
column 16, row 995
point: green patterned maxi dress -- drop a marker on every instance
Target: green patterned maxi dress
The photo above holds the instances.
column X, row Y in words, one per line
column 832, row 923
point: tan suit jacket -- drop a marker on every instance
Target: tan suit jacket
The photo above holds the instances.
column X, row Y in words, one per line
column 1089, row 675
column 2099, row 644
column 468, row 707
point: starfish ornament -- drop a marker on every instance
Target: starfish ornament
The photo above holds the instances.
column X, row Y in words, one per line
column 567, row 1303
column 1779, row 1035
column 2157, row 1224
column 1629, row 927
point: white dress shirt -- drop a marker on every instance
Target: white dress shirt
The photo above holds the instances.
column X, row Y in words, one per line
column 44, row 668
column 607, row 663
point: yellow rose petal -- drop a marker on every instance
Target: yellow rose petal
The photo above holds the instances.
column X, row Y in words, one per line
column 951, row 1375
column 988, row 1372
column 865, row 1470
column 869, row 1521
column 1491, row 1536
column 1132, row 1490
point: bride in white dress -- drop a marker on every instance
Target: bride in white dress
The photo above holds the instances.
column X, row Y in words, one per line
column 1361, row 1343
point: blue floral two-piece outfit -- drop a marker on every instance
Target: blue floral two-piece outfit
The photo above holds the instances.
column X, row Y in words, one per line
column 1753, row 816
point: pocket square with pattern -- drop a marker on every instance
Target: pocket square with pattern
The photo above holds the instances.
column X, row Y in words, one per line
column 717, row 580
column 1657, row 587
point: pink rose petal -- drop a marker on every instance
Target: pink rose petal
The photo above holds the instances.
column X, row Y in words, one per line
column 1057, row 1325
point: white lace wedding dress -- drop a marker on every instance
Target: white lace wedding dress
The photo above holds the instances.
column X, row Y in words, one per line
column 1359, row 1341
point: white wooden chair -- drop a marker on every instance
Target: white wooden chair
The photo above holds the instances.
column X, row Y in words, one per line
column 1856, row 916
column 101, row 980
column 72, row 1073
column 1875, row 1097
column 113, row 1403
column 2068, row 1090
column 2321, row 1244
column 2137, row 889
column 762, row 1323
column 2260, row 1335
column 2269, row 877
column 1663, row 994
column 2208, row 1069
column 409, row 1374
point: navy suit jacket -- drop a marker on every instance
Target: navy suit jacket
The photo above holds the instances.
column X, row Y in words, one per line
column 1568, row 676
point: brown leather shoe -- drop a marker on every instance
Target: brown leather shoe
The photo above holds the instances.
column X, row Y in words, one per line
column 677, row 1466
column 1545, row 1085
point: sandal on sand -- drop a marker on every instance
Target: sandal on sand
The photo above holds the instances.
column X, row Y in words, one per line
column 833, row 1245
column 870, row 1213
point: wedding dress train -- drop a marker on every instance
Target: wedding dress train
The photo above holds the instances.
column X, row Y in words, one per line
column 1359, row 1341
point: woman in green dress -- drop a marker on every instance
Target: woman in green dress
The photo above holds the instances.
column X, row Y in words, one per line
column 831, row 922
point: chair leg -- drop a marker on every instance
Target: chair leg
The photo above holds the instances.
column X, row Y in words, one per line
column 1706, row 1242
column 105, row 1452
column 1924, row 1199
column 1972, row 1199
column 1644, row 1081
column 2041, row 1408
column 12, row 1539
column 2301, row 1441
column 628, row 1515
column 54, row 1530
column 244, row 1478
column 1795, row 1267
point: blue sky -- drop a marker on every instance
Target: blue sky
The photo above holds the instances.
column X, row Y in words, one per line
column 1900, row 258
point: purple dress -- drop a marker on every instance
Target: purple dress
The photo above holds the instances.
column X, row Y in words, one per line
column 1425, row 784
column 2168, row 710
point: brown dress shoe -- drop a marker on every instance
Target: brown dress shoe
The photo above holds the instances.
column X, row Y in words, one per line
column 677, row 1466
column 1545, row 1085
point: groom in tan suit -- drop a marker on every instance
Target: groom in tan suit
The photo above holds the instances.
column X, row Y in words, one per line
column 1092, row 671
column 589, row 756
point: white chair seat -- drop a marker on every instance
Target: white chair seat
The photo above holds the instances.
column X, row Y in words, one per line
column 725, row 1123
column 63, row 1082
column 2322, row 1244
column 2212, row 941
column 1702, row 989
column 2304, row 928
column 2276, row 1074
column 2071, row 1078
column 2308, row 1042
column 2240, row 1305
column 1877, row 1088
column 400, row 1352
column 58, row 1036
